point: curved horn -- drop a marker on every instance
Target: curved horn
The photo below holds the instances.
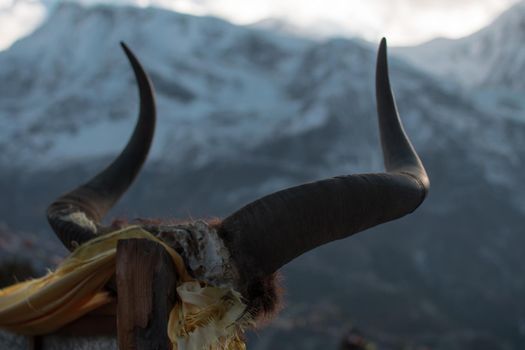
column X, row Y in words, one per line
column 75, row 216
column 271, row 231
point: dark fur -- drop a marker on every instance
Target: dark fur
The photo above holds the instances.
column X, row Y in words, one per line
column 264, row 297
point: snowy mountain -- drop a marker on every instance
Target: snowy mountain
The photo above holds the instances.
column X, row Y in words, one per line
column 59, row 72
column 493, row 57
column 243, row 112
column 317, row 30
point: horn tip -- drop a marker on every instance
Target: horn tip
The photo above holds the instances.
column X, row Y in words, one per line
column 382, row 61
column 383, row 49
column 126, row 49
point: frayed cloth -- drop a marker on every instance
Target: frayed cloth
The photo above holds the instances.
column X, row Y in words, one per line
column 207, row 317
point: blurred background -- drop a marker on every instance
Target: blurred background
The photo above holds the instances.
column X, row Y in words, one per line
column 255, row 96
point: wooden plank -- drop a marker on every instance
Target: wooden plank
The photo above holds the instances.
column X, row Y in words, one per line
column 146, row 282
column 35, row 342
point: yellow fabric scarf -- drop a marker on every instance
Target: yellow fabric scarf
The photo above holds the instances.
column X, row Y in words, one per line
column 207, row 318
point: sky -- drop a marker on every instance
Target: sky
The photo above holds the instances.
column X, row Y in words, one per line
column 404, row 22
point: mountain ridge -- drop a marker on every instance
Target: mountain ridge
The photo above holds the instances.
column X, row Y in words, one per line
column 489, row 58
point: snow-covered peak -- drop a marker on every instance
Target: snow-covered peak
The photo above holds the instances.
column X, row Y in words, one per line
column 316, row 30
column 491, row 57
column 222, row 91
column 68, row 82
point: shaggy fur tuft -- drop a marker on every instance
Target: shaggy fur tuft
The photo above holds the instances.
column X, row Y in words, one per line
column 263, row 296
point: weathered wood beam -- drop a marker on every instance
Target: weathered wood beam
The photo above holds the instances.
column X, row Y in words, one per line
column 35, row 342
column 146, row 282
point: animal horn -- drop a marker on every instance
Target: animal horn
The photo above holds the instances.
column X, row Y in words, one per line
column 271, row 231
column 76, row 215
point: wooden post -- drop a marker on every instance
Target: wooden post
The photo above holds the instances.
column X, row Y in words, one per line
column 146, row 282
column 35, row 342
